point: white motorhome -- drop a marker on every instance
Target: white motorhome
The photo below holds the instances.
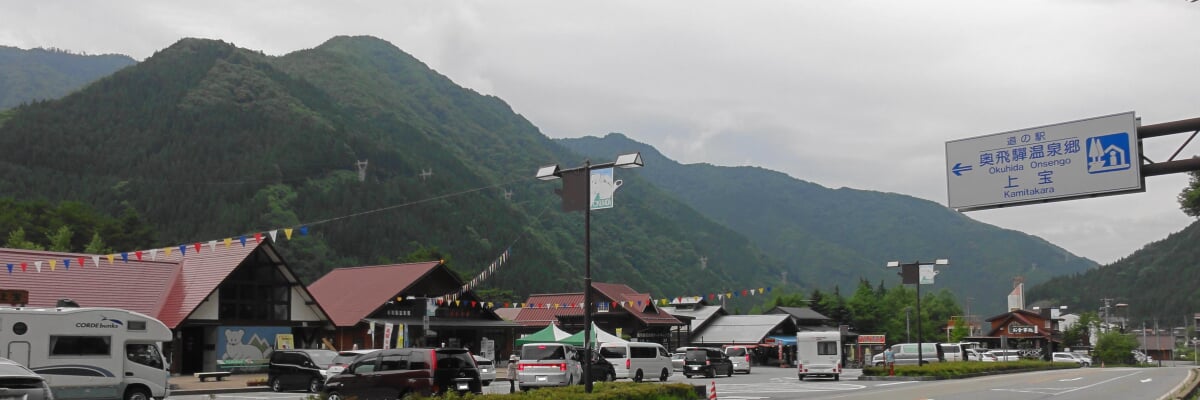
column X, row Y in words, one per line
column 89, row 353
column 819, row 354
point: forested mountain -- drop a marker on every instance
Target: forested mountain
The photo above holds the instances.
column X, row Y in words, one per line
column 39, row 74
column 835, row 236
column 207, row 141
column 1159, row 281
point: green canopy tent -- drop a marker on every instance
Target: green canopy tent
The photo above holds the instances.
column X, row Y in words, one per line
column 549, row 335
column 598, row 336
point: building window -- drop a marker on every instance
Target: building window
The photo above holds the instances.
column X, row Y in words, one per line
column 255, row 291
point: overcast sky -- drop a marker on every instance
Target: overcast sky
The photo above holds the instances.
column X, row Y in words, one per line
column 860, row 94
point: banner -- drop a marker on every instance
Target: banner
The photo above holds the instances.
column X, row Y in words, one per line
column 927, row 273
column 387, row 336
column 603, row 187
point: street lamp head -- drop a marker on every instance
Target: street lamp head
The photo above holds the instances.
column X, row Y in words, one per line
column 633, row 160
column 548, row 173
column 893, row 264
column 942, row 261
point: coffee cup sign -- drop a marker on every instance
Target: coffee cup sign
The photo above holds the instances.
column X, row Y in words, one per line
column 603, row 187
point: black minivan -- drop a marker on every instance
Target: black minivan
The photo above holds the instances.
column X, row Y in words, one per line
column 395, row 373
column 293, row 369
column 706, row 361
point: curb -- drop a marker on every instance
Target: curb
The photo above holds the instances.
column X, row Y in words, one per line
column 180, row 392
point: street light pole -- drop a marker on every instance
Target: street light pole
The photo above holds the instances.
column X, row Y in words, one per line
column 571, row 202
column 909, row 273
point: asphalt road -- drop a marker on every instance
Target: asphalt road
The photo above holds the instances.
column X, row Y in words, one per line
column 780, row 383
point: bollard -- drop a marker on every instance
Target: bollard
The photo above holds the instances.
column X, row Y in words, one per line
column 712, row 395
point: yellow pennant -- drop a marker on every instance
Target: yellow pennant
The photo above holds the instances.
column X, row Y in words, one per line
column 287, row 232
column 457, row 302
column 167, row 251
column 52, row 263
column 228, row 241
column 110, row 258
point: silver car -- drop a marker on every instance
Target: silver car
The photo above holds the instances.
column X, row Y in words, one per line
column 487, row 370
column 18, row 382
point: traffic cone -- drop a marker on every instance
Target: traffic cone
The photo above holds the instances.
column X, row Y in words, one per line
column 712, row 394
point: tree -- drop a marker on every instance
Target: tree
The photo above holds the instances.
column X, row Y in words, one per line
column 960, row 330
column 1116, row 347
column 1189, row 198
column 866, row 311
column 96, row 246
column 16, row 240
column 60, row 240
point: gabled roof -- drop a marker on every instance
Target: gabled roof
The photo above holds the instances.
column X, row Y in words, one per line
column 740, row 329
column 168, row 288
column 351, row 294
column 200, row 274
column 544, row 309
column 804, row 313
column 1019, row 315
column 135, row 285
column 700, row 315
column 648, row 313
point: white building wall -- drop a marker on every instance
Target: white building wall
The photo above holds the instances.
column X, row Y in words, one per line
column 208, row 308
column 301, row 311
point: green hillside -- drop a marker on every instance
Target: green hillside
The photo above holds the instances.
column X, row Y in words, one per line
column 39, row 74
column 206, row 140
column 1158, row 282
column 832, row 237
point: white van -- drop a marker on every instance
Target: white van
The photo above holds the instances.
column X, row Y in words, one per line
column 819, row 354
column 89, row 353
column 952, row 351
column 637, row 360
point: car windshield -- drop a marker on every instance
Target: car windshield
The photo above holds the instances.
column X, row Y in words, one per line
column 542, row 352
column 322, row 358
column 454, row 358
column 735, row 351
column 344, row 358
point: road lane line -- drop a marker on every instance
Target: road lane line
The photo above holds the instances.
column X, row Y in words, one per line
column 1101, row 382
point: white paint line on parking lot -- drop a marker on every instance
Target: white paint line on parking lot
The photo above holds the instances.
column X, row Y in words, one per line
column 1146, row 380
column 1071, row 379
column 895, row 383
column 785, row 387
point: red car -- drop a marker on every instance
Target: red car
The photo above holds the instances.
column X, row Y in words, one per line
column 396, row 373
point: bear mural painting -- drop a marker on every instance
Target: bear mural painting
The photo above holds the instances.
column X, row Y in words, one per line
column 246, row 348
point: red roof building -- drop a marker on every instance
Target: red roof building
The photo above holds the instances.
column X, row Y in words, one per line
column 362, row 300
column 215, row 297
column 1022, row 329
column 619, row 308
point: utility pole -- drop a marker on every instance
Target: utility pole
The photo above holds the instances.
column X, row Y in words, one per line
column 1107, row 305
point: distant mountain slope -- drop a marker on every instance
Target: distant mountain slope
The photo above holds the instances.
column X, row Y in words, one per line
column 1159, row 281
column 207, row 140
column 832, row 237
column 40, row 74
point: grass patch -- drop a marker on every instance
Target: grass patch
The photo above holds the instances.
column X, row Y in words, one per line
column 959, row 369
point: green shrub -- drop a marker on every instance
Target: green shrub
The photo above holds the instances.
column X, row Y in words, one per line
column 959, row 369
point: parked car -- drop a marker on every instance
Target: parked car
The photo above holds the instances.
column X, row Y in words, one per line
column 677, row 360
column 343, row 360
column 1006, row 355
column 1083, row 356
column 487, row 370
column 706, row 361
column 548, row 364
column 740, row 355
column 1060, row 356
column 987, row 357
column 396, row 373
column 975, row 355
column 18, row 382
column 602, row 368
column 906, row 353
column 638, row 360
column 293, row 369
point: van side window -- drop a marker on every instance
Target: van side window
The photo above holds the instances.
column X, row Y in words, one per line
column 642, row 352
column 393, row 363
column 612, row 352
column 827, row 348
column 80, row 345
column 662, row 352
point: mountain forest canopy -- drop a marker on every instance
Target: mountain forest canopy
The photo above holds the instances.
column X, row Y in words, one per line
column 204, row 140
column 42, row 74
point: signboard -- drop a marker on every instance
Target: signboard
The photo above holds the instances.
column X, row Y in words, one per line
column 16, row 297
column 872, row 339
column 927, row 274
column 1015, row 329
column 246, row 346
column 1085, row 158
column 603, row 188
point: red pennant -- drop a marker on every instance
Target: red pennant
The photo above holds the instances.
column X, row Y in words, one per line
column 23, row 266
column 745, row 292
column 439, row 301
column 80, row 262
column 472, row 304
column 257, row 237
column 506, row 304
column 197, row 246
column 138, row 254
column 614, row 304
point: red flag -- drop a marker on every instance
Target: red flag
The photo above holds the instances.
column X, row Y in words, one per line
column 197, row 246
column 80, row 262
column 472, row 304
column 257, row 237
column 138, row 254
column 23, row 266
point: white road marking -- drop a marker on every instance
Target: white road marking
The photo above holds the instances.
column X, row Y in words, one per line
column 895, row 383
column 1072, row 379
column 1146, row 380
